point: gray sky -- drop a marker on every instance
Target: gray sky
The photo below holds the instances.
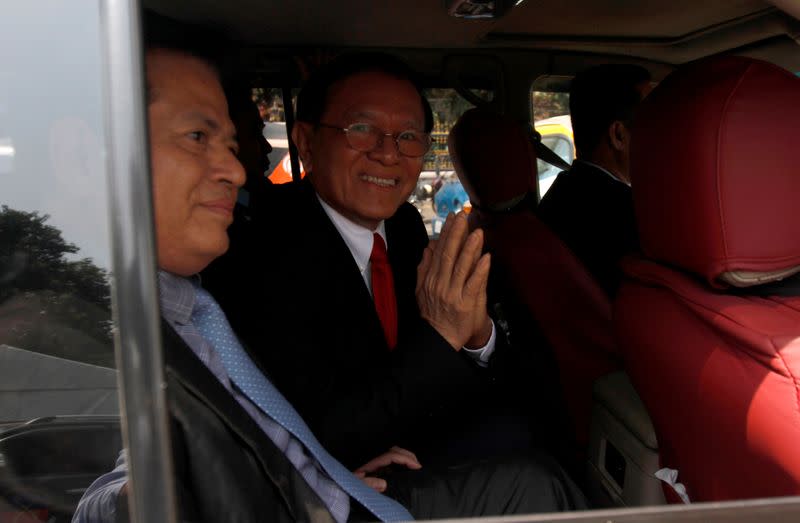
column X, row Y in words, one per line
column 51, row 129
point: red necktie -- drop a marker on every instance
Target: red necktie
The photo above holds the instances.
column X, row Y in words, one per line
column 383, row 290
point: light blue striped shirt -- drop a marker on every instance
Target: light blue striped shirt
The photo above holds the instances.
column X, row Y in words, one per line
column 177, row 296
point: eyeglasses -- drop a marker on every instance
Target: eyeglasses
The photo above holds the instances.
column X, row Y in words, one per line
column 366, row 137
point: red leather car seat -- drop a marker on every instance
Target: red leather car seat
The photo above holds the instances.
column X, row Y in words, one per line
column 495, row 160
column 712, row 349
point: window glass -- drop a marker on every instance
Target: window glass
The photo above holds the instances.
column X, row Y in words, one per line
column 550, row 111
column 59, row 425
column 438, row 189
column 561, row 145
column 273, row 114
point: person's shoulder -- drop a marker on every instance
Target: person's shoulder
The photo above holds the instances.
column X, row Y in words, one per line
column 407, row 212
column 581, row 172
column 285, row 209
column 549, row 201
column 407, row 226
column 584, row 173
column 607, row 190
column 585, row 183
column 287, row 195
column 408, row 219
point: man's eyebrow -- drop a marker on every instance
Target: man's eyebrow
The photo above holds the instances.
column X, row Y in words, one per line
column 213, row 125
column 410, row 123
column 199, row 116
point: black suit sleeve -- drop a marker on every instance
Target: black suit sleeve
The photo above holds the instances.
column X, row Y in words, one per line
column 593, row 215
column 225, row 466
column 357, row 404
column 317, row 340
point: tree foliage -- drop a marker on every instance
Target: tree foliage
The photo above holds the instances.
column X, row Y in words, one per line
column 270, row 103
column 548, row 104
column 48, row 302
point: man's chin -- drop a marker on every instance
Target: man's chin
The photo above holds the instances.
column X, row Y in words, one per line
column 221, row 248
column 213, row 248
column 384, row 208
column 382, row 212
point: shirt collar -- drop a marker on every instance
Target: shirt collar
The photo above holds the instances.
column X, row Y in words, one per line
column 600, row 168
column 357, row 237
column 177, row 295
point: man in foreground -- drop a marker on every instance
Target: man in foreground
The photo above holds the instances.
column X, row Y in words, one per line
column 241, row 451
column 590, row 206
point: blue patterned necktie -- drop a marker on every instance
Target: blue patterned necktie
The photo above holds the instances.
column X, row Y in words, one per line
column 212, row 324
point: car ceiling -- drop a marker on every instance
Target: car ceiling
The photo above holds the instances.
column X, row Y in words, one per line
column 665, row 31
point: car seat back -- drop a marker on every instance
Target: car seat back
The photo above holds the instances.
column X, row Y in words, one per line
column 713, row 352
column 495, row 160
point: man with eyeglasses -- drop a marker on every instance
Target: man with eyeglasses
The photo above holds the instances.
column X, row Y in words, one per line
column 379, row 338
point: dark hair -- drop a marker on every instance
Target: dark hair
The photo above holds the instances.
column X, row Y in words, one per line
column 601, row 95
column 313, row 97
column 201, row 42
column 239, row 95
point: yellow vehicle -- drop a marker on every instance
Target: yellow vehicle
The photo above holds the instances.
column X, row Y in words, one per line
column 556, row 133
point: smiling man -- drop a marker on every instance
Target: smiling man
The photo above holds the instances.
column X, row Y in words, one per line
column 378, row 338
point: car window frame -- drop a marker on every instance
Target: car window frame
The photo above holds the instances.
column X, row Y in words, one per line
column 135, row 307
column 136, row 311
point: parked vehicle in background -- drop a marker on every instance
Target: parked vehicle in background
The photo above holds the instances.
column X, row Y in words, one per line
column 556, row 135
column 280, row 162
column 282, row 171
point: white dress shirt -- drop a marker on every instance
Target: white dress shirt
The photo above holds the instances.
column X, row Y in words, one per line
column 359, row 240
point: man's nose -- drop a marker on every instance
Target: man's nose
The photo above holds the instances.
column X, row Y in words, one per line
column 387, row 150
column 230, row 170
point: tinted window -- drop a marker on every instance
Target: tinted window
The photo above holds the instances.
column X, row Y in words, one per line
column 550, row 111
column 438, row 189
column 562, row 146
column 56, row 333
column 272, row 112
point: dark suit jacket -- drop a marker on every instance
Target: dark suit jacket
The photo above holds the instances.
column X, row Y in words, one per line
column 294, row 294
column 593, row 215
column 226, row 468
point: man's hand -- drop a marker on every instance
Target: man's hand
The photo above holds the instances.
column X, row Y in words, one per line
column 451, row 285
column 395, row 456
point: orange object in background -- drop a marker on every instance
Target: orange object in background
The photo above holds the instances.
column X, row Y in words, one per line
column 283, row 171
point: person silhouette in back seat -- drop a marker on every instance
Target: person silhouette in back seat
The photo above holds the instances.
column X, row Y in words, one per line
column 590, row 206
column 241, row 452
column 254, row 149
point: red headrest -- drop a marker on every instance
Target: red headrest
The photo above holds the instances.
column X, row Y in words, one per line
column 715, row 161
column 494, row 158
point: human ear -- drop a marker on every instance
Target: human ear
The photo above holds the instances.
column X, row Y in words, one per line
column 302, row 134
column 618, row 135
